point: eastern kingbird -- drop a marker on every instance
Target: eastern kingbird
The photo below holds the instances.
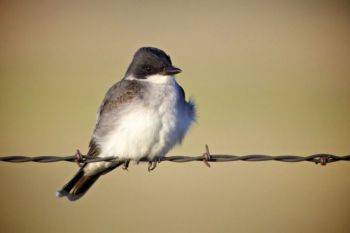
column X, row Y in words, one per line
column 141, row 117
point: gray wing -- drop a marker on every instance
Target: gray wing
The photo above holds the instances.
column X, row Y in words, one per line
column 118, row 95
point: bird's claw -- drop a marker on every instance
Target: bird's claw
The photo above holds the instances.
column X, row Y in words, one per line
column 153, row 164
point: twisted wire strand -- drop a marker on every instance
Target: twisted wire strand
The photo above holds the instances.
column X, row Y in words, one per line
column 322, row 158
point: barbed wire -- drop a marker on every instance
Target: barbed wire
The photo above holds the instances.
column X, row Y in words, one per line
column 321, row 158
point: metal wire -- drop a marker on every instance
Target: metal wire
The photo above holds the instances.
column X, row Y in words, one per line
column 322, row 158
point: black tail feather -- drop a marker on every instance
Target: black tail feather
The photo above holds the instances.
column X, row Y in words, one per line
column 77, row 186
column 81, row 187
column 81, row 183
column 68, row 187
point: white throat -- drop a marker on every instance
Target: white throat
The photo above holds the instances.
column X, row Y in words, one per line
column 156, row 78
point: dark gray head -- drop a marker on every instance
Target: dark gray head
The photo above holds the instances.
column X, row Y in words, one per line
column 149, row 61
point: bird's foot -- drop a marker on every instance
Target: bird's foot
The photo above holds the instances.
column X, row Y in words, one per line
column 79, row 158
column 153, row 164
column 126, row 165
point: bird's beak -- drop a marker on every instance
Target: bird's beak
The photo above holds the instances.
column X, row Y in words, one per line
column 171, row 70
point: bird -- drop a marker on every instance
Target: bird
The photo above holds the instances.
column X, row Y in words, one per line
column 141, row 118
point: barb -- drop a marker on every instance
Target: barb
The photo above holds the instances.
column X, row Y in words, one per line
column 321, row 158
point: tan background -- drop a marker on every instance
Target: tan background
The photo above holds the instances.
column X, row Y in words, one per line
column 270, row 78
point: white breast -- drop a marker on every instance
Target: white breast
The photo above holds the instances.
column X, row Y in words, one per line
column 148, row 127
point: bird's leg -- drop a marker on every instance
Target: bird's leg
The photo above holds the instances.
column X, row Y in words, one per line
column 126, row 164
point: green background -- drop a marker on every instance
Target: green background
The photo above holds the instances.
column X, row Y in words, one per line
column 270, row 77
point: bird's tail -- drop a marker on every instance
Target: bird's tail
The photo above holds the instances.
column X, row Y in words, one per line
column 78, row 185
column 81, row 183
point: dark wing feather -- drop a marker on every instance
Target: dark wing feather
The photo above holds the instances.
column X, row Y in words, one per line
column 119, row 94
column 94, row 150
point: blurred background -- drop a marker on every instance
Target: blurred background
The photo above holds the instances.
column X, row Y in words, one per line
column 270, row 77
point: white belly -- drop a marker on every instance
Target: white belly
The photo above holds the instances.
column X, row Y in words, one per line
column 145, row 132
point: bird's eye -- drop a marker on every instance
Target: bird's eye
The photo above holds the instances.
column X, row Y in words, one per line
column 147, row 68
